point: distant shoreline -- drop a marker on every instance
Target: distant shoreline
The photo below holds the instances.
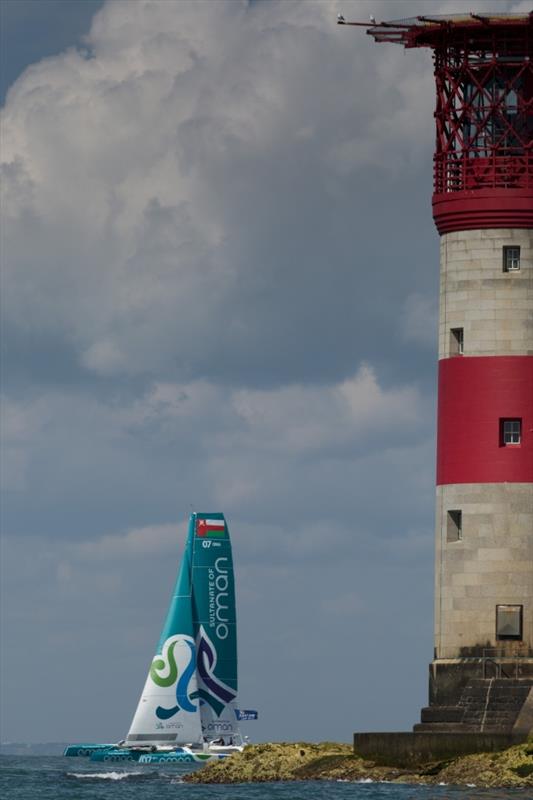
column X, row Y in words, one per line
column 512, row 768
column 32, row 749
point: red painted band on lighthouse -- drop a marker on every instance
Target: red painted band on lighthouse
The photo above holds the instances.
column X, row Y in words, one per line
column 475, row 395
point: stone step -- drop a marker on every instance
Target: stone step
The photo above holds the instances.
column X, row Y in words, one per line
column 489, row 704
column 508, row 702
column 501, row 681
column 444, row 727
column 441, row 714
column 495, row 728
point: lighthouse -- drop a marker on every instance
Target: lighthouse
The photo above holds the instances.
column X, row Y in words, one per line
column 481, row 675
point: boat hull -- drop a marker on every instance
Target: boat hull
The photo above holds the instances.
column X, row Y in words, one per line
column 178, row 756
column 165, row 758
column 85, row 750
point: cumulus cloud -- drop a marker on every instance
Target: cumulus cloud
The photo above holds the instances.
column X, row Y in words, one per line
column 235, row 448
column 137, row 543
column 298, row 418
column 170, row 190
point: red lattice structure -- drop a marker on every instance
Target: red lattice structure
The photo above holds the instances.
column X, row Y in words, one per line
column 483, row 163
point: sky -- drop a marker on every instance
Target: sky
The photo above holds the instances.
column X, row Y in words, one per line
column 219, row 293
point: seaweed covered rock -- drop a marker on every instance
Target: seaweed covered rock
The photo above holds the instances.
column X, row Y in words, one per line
column 289, row 761
column 268, row 762
column 512, row 767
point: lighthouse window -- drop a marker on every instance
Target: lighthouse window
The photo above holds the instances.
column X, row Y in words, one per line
column 511, row 431
column 511, row 259
column 509, row 622
column 454, row 529
column 457, row 341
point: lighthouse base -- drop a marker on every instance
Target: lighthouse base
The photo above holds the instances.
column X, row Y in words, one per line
column 479, row 695
column 416, row 749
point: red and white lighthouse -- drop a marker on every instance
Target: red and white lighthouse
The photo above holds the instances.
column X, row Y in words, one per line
column 483, row 210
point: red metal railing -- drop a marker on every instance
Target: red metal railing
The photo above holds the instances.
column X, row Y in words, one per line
column 484, row 96
column 484, row 108
column 458, row 174
column 483, row 162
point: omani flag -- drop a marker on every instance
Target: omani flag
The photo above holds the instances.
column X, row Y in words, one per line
column 210, row 527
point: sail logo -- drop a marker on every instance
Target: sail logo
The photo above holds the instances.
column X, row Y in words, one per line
column 218, row 597
column 171, row 668
column 212, row 690
column 175, row 665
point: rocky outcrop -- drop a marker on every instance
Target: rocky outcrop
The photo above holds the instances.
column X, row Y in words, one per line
column 331, row 761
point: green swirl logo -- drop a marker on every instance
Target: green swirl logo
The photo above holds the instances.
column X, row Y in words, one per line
column 159, row 665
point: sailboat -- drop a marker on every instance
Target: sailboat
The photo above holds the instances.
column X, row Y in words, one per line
column 187, row 710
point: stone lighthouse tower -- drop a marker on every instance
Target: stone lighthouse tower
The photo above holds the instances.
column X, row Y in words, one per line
column 482, row 670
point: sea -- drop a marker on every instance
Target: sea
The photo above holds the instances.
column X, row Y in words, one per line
column 56, row 778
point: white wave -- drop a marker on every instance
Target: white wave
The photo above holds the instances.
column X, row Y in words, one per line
column 110, row 776
column 366, row 780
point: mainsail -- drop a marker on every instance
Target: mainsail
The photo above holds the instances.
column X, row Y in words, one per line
column 190, row 692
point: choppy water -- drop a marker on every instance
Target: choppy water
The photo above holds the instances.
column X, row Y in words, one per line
column 58, row 778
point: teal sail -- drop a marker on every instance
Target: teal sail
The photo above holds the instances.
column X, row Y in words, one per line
column 191, row 688
column 215, row 625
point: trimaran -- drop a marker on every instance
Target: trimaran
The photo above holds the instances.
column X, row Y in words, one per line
column 187, row 710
